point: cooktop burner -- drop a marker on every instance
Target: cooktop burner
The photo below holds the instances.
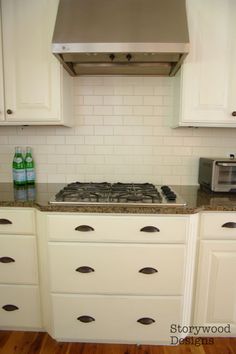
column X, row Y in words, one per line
column 79, row 193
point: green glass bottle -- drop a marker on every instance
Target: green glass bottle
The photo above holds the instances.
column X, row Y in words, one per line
column 29, row 166
column 19, row 175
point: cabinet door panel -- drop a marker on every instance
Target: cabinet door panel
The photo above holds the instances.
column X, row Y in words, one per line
column 32, row 74
column 207, row 86
column 2, row 109
column 216, row 299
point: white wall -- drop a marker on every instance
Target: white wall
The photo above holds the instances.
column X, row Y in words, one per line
column 121, row 133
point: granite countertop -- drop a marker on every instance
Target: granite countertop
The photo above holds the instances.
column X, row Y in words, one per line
column 39, row 195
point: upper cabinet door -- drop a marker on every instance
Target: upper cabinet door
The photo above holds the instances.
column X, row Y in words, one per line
column 2, row 109
column 31, row 73
column 208, row 76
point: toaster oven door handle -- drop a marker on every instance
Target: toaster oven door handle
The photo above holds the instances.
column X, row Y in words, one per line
column 230, row 225
column 226, row 164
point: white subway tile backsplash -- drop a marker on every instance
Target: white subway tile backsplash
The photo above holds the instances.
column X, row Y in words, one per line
column 104, row 150
column 3, row 139
column 113, row 140
column 133, row 100
column 55, row 140
column 143, row 90
column 103, row 90
column 113, row 120
column 103, row 130
column 18, row 140
column 75, row 140
column 103, row 110
column 153, row 100
column 92, row 120
column 113, row 100
column 65, row 149
column 121, row 133
column 123, row 90
column 143, row 110
column 84, row 149
column 133, row 120
column 93, row 100
column 69, row 168
column 94, row 140
column 123, row 110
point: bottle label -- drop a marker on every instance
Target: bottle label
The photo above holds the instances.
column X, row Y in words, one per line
column 28, row 159
column 30, row 175
column 18, row 159
column 19, row 175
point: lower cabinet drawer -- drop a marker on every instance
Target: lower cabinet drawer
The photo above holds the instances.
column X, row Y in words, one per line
column 18, row 260
column 19, row 307
column 218, row 226
column 120, row 269
column 124, row 228
column 115, row 318
column 17, row 221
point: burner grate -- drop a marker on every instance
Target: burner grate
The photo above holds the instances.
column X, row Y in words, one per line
column 117, row 193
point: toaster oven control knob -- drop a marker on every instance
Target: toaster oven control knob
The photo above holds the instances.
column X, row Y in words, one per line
column 234, row 113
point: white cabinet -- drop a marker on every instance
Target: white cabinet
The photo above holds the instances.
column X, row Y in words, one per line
column 216, row 285
column 2, row 108
column 115, row 318
column 114, row 277
column 37, row 88
column 208, row 76
column 19, row 289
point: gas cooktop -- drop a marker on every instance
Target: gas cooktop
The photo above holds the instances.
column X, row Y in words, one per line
column 104, row 193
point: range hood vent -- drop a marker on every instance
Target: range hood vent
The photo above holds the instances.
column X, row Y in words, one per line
column 121, row 37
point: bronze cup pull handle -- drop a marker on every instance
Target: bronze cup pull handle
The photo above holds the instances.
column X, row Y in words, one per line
column 5, row 222
column 229, row 225
column 148, row 270
column 10, row 308
column 6, row 260
column 149, row 229
column 84, row 228
column 85, row 269
column 86, row 319
column 146, row 320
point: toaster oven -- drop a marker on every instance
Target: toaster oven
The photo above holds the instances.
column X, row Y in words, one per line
column 217, row 174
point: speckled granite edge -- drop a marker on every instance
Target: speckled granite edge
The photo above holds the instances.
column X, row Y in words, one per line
column 116, row 209
column 39, row 196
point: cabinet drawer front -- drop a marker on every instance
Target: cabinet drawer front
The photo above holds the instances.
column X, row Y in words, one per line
column 218, row 226
column 17, row 222
column 114, row 318
column 120, row 268
column 135, row 228
column 19, row 306
column 18, row 260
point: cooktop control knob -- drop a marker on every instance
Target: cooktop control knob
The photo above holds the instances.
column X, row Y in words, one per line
column 168, row 193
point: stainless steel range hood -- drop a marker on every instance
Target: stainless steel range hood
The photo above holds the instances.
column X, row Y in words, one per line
column 121, row 37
